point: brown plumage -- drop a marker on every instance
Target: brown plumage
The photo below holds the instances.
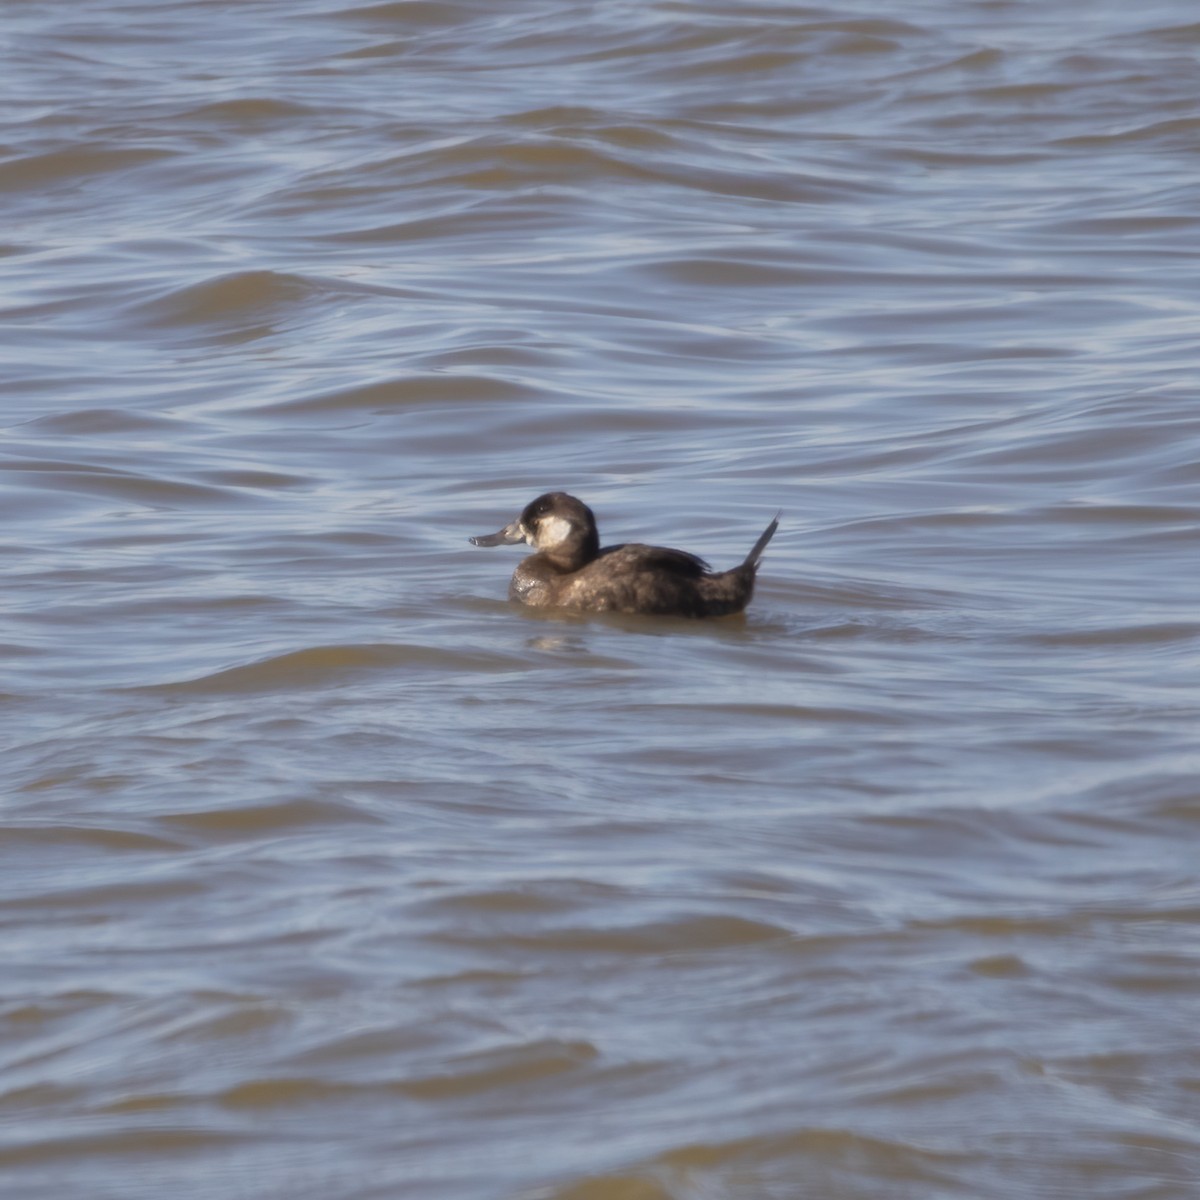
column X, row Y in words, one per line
column 570, row 570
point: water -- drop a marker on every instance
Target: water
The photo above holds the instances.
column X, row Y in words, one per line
column 328, row 874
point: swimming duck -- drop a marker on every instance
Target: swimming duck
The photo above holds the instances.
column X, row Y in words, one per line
column 568, row 569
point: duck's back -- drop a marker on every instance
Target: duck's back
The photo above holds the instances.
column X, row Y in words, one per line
column 655, row 580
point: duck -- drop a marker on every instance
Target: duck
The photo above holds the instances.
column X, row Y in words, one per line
column 569, row 570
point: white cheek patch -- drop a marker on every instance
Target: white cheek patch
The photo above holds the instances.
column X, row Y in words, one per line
column 551, row 531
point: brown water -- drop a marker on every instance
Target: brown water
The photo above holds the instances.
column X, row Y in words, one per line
column 327, row 875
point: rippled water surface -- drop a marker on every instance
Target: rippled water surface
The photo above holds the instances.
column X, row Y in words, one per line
column 327, row 874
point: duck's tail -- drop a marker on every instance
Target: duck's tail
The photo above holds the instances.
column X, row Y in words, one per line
column 755, row 554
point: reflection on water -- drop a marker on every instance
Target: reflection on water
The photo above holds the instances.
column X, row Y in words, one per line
column 327, row 873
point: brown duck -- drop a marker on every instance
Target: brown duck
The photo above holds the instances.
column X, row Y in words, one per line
column 568, row 569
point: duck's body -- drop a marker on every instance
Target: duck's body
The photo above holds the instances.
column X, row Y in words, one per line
column 570, row 570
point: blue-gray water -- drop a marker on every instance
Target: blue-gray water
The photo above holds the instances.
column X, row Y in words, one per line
column 325, row 874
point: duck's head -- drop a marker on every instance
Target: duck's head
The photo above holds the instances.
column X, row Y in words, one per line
column 555, row 525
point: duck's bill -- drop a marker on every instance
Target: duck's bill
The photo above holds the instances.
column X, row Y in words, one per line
column 510, row 535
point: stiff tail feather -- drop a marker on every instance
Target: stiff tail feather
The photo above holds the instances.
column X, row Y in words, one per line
column 759, row 546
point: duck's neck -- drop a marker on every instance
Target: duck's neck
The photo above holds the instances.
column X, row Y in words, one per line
column 574, row 552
